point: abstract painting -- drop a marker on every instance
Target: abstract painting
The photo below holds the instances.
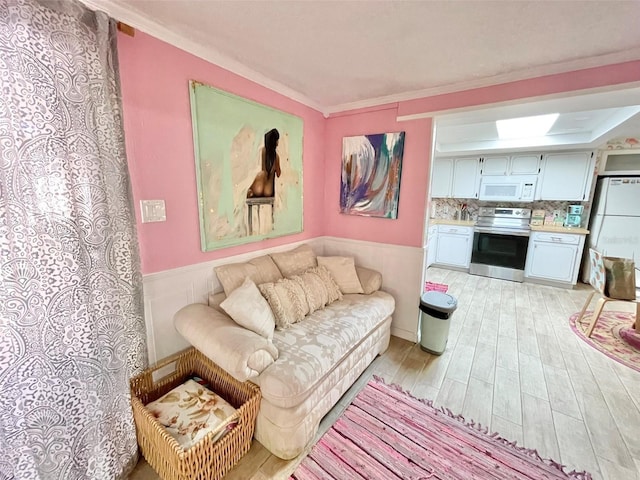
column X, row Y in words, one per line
column 371, row 168
column 248, row 168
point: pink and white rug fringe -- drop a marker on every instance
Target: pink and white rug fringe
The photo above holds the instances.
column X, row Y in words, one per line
column 387, row 433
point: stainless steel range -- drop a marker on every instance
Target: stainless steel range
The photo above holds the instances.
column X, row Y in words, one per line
column 500, row 241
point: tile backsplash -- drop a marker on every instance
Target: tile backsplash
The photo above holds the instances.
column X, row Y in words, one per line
column 445, row 208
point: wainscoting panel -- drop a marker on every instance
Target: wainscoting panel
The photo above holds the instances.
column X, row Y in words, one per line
column 167, row 292
column 401, row 269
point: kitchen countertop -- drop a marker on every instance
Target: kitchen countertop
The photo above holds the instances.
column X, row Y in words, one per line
column 557, row 229
column 446, row 221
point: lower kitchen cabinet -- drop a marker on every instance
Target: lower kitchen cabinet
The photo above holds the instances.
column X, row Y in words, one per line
column 453, row 246
column 554, row 257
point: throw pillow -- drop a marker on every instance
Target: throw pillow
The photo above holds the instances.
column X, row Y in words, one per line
column 371, row 280
column 296, row 261
column 260, row 270
column 249, row 309
column 343, row 270
column 287, row 301
column 314, row 289
column 191, row 411
column 333, row 291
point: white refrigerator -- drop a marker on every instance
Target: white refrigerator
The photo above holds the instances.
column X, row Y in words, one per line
column 615, row 220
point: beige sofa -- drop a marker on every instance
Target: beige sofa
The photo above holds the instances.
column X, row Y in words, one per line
column 305, row 369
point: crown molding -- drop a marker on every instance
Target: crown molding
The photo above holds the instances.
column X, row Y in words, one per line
column 136, row 19
column 526, row 74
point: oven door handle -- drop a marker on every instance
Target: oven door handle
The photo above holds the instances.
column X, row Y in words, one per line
column 517, row 233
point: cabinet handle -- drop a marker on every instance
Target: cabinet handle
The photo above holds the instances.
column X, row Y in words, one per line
column 556, row 239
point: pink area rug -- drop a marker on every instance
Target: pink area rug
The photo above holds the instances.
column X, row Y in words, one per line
column 614, row 336
column 387, row 434
column 438, row 287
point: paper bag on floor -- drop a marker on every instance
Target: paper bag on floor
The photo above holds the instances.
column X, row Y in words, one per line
column 620, row 278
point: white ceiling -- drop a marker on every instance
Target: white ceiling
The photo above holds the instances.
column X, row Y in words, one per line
column 335, row 55
column 585, row 121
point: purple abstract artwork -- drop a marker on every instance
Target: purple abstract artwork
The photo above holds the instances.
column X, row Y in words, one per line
column 371, row 168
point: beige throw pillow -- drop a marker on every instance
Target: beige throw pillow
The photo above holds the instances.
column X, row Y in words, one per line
column 314, row 289
column 343, row 270
column 371, row 280
column 287, row 301
column 249, row 309
column 333, row 291
column 260, row 270
column 296, row 261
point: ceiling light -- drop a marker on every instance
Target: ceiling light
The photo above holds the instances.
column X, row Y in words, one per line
column 526, row 127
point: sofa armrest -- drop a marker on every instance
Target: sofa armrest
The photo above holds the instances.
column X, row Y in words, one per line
column 241, row 352
column 371, row 280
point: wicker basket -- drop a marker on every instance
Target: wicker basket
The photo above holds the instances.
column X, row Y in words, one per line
column 206, row 460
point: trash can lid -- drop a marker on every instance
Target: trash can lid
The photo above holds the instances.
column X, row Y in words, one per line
column 442, row 302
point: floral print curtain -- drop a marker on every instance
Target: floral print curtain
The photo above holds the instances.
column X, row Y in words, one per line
column 71, row 322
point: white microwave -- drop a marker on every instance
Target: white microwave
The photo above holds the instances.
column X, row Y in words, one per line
column 510, row 188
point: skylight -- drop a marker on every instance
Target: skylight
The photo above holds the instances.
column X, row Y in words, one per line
column 526, row 127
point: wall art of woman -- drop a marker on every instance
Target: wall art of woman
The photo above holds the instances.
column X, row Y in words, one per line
column 264, row 183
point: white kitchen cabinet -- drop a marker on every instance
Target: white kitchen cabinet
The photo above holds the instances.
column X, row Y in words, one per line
column 498, row 165
column 566, row 176
column 455, row 178
column 466, row 181
column 554, row 257
column 432, row 244
column 454, row 246
column 525, row 164
column 521, row 164
column 442, row 178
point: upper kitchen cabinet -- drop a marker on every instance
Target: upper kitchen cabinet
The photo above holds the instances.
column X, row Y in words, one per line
column 525, row 164
column 466, row 180
column 566, row 176
column 495, row 165
column 442, row 178
column 455, row 178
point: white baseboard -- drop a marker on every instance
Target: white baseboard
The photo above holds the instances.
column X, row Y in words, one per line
column 168, row 291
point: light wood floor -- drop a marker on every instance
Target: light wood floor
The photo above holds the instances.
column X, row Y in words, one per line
column 514, row 365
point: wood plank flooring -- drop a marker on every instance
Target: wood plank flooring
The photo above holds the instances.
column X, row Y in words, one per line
column 513, row 364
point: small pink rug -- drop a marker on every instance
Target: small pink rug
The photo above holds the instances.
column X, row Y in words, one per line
column 438, row 287
column 388, row 434
column 613, row 336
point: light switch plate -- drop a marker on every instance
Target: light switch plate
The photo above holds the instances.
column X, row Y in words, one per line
column 153, row 211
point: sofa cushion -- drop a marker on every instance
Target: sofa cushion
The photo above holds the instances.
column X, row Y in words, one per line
column 343, row 270
column 333, row 291
column 371, row 280
column 238, row 350
column 249, row 309
column 260, row 269
column 294, row 262
column 309, row 350
column 287, row 301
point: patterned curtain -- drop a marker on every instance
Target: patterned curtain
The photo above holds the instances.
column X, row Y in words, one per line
column 71, row 323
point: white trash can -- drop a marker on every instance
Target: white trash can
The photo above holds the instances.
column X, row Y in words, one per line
column 436, row 309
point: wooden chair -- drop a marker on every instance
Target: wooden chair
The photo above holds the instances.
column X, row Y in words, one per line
column 597, row 279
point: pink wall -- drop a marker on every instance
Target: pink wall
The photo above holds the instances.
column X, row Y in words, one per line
column 408, row 227
column 157, row 120
column 588, row 78
column 158, row 132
